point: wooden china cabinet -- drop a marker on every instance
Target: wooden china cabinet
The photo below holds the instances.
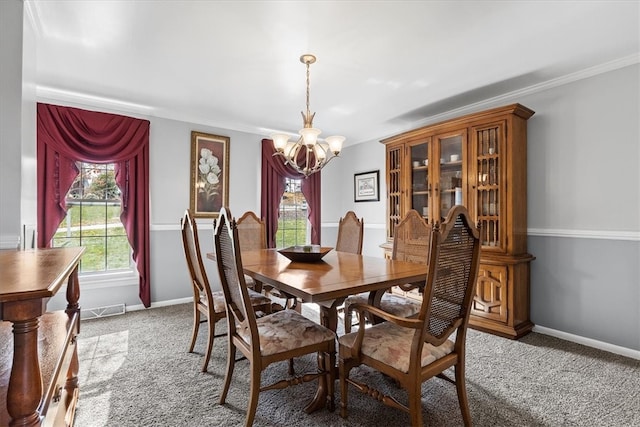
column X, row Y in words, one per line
column 479, row 161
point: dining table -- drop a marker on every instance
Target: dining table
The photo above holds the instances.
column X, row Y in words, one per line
column 328, row 282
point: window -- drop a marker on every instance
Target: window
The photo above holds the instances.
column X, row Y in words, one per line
column 293, row 226
column 93, row 221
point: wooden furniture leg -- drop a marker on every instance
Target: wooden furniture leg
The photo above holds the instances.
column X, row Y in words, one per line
column 25, row 383
column 328, row 319
column 73, row 307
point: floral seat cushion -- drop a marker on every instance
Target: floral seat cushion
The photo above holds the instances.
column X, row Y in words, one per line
column 287, row 330
column 219, row 305
column 391, row 345
column 249, row 281
column 394, row 304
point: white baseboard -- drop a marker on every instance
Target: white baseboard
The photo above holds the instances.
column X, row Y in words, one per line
column 623, row 351
column 160, row 304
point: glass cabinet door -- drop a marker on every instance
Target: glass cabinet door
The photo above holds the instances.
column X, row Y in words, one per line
column 420, row 185
column 394, row 187
column 489, row 167
column 450, row 150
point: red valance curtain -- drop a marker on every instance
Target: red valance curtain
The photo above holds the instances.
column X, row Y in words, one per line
column 66, row 135
column 274, row 173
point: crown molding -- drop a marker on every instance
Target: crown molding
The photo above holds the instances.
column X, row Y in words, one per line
column 81, row 100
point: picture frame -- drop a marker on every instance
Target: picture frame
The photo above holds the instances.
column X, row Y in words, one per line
column 366, row 186
column 209, row 189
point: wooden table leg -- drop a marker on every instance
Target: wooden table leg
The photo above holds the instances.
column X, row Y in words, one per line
column 328, row 319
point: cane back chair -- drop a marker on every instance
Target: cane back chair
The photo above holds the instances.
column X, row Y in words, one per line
column 412, row 350
column 252, row 235
column 275, row 337
column 411, row 244
column 350, row 234
column 207, row 305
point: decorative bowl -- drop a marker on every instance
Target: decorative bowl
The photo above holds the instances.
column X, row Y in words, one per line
column 310, row 253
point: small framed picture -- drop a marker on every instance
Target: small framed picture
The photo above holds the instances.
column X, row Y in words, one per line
column 209, row 174
column 366, row 186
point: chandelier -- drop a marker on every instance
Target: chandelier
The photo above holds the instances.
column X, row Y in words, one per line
column 307, row 155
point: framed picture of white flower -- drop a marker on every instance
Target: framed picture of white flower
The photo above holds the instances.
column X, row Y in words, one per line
column 209, row 174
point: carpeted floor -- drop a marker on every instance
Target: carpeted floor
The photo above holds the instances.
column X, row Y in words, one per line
column 135, row 371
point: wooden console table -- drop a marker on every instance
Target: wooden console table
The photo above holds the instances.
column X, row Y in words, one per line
column 39, row 375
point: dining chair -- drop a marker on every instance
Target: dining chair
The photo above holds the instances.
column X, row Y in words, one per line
column 272, row 338
column 413, row 350
column 350, row 234
column 208, row 306
column 411, row 244
column 252, row 235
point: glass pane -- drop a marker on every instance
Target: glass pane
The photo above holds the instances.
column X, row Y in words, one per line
column 117, row 252
column 114, row 226
column 420, row 179
column 93, row 260
column 393, row 189
column 91, row 215
column 60, row 240
column 450, row 174
column 102, row 183
column 488, row 166
column 293, row 225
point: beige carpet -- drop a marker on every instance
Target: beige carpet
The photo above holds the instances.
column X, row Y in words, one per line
column 135, row 371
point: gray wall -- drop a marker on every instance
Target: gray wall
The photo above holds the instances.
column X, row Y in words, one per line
column 337, row 195
column 10, row 119
column 583, row 192
column 584, row 207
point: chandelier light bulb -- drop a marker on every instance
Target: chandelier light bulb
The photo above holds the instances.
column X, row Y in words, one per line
column 280, row 140
column 310, row 136
column 290, row 151
column 335, row 143
column 320, row 150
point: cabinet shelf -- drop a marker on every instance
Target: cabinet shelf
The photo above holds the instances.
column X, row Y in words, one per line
column 448, row 165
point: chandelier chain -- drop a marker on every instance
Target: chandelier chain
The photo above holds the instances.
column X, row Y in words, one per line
column 308, row 91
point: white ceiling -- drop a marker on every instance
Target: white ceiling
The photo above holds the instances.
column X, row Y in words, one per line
column 383, row 66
